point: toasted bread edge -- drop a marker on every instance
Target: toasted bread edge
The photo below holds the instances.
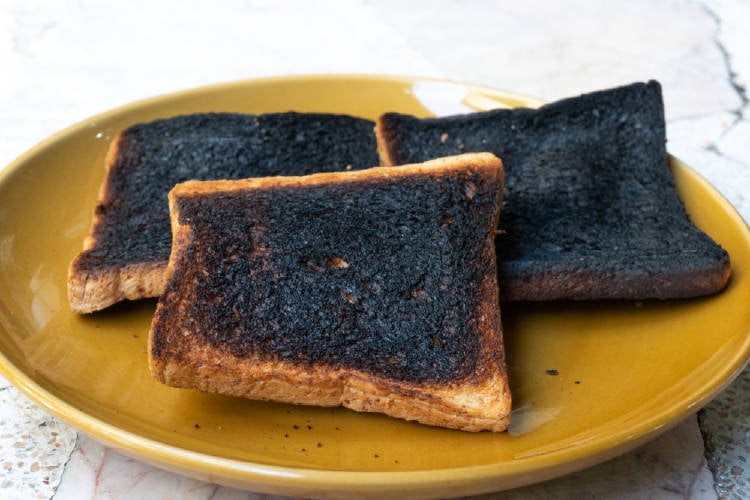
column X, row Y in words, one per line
column 93, row 289
column 480, row 402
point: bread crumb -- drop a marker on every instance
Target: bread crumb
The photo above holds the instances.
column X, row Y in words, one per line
column 470, row 190
column 336, row 262
column 349, row 297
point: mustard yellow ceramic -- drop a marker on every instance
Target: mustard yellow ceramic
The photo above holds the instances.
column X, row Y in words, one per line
column 624, row 372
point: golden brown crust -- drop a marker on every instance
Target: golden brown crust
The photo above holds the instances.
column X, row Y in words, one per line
column 471, row 407
column 385, row 143
column 436, row 167
column 478, row 402
column 93, row 290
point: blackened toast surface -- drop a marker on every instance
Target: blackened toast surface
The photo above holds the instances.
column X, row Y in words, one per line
column 380, row 285
column 590, row 208
column 130, row 238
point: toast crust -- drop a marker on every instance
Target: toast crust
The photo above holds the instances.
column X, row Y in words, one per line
column 585, row 284
column 479, row 401
column 386, row 143
column 437, row 167
column 481, row 406
column 92, row 288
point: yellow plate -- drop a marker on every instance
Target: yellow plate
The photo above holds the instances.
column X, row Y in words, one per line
column 625, row 371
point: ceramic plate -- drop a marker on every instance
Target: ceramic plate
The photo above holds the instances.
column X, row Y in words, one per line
column 590, row 380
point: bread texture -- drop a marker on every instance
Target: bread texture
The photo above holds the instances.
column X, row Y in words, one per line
column 590, row 206
column 126, row 252
column 376, row 290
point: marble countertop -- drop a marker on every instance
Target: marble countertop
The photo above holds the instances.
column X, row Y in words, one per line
column 65, row 60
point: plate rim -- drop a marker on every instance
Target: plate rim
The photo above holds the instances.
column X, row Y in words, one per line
column 238, row 473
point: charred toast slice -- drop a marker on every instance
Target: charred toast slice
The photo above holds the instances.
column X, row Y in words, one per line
column 590, row 210
column 126, row 252
column 376, row 290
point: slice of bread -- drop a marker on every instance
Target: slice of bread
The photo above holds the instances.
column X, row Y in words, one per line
column 590, row 210
column 376, row 290
column 126, row 251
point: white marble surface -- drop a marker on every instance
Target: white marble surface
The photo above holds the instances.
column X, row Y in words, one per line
column 62, row 61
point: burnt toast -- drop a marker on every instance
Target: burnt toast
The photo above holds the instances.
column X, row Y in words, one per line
column 376, row 290
column 590, row 207
column 125, row 253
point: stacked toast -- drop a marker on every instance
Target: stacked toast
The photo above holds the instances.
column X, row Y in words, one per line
column 290, row 267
